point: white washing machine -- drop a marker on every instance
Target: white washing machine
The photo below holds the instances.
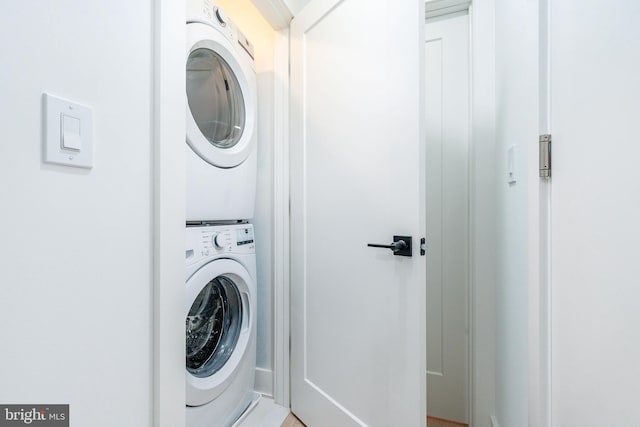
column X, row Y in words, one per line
column 220, row 321
column 221, row 117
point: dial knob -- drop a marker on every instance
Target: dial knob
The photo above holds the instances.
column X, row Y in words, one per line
column 221, row 16
column 218, row 240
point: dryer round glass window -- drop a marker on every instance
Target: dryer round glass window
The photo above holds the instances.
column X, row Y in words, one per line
column 213, row 327
column 215, row 98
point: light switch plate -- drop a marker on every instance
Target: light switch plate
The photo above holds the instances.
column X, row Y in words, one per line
column 54, row 149
column 511, row 165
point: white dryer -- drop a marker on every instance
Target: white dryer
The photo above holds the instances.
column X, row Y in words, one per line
column 220, row 322
column 221, row 117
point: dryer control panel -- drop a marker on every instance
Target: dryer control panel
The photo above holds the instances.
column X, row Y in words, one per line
column 217, row 240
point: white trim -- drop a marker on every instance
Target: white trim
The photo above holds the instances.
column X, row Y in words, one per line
column 435, row 8
column 264, row 382
column 494, row 421
column 540, row 244
column 471, row 282
column 168, row 212
column 275, row 12
column 281, row 225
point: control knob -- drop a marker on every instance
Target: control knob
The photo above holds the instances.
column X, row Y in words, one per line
column 221, row 17
column 218, row 240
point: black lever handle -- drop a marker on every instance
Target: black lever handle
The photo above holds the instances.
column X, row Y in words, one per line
column 395, row 246
column 401, row 245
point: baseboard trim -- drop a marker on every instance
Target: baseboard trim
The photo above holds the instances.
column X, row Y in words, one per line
column 264, row 382
column 494, row 421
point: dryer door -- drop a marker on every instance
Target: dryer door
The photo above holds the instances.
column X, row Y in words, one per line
column 218, row 328
column 220, row 88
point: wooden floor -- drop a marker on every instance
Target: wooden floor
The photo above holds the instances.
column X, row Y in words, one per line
column 292, row 421
column 436, row 422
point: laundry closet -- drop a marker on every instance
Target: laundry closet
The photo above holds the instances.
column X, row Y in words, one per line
column 94, row 189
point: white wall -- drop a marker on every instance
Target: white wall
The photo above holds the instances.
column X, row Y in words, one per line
column 76, row 244
column 516, row 125
column 595, row 229
column 483, row 213
column 260, row 33
column 296, row 6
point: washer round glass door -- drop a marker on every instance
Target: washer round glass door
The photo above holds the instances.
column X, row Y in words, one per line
column 213, row 327
column 221, row 97
column 218, row 326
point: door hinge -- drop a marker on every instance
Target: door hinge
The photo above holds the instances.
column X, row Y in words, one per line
column 423, row 246
column 545, row 156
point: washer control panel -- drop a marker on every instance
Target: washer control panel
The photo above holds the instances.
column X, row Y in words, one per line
column 208, row 241
column 207, row 12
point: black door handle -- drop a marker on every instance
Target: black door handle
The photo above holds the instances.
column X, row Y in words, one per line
column 395, row 246
column 401, row 245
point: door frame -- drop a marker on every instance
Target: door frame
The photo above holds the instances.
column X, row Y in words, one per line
column 168, row 217
column 539, row 241
column 481, row 116
column 168, row 220
column 281, row 225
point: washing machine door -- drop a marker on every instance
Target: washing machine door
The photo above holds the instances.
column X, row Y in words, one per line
column 221, row 98
column 218, row 327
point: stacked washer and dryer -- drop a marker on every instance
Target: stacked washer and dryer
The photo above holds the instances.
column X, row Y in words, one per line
column 221, row 161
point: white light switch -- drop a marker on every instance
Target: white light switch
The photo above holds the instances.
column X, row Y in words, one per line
column 71, row 133
column 68, row 132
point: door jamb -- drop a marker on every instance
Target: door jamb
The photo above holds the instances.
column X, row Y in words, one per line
column 539, row 242
column 281, row 271
column 167, row 212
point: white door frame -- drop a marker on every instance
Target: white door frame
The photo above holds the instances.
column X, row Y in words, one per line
column 539, row 242
column 168, row 166
column 281, row 226
column 168, row 124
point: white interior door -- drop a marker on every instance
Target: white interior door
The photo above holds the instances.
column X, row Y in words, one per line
column 595, row 220
column 447, row 214
column 357, row 313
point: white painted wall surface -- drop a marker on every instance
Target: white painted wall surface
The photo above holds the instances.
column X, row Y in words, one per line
column 76, row 244
column 595, row 93
column 517, row 126
column 261, row 34
column 295, row 6
column 483, row 213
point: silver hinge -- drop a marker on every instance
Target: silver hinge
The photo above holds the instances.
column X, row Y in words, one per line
column 545, row 156
column 423, row 246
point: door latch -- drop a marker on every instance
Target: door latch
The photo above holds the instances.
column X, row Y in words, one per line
column 423, row 246
column 401, row 245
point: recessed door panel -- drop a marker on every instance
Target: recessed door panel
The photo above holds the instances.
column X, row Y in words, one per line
column 447, row 215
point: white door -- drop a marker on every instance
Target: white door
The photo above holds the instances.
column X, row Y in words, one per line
column 447, row 214
column 595, row 220
column 357, row 312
